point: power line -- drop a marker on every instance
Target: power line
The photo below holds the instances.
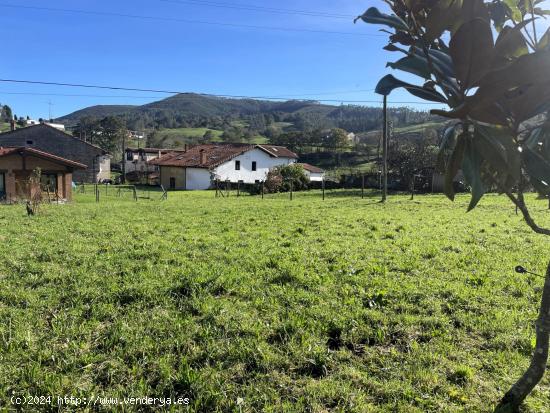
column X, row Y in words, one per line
column 172, row 92
column 249, row 7
column 173, row 19
column 286, row 97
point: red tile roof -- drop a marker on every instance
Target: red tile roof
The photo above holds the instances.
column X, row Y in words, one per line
column 151, row 150
column 216, row 154
column 40, row 154
column 278, row 151
column 311, row 168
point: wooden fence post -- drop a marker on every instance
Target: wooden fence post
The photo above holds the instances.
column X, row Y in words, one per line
column 363, row 186
column 262, row 189
column 323, row 188
column 291, row 189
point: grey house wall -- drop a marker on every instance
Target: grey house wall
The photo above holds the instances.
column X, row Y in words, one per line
column 56, row 142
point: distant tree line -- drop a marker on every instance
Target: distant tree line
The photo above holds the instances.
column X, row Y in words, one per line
column 6, row 114
column 350, row 118
column 108, row 133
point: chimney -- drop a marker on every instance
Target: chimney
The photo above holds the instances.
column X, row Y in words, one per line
column 203, row 157
column 12, row 125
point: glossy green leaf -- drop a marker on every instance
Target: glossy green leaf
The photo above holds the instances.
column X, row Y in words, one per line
column 442, row 16
column 374, row 16
column 389, row 83
column 497, row 147
column 510, row 44
column 538, row 170
column 513, row 10
column 447, row 144
column 454, row 165
column 471, row 167
column 471, row 50
column 412, row 64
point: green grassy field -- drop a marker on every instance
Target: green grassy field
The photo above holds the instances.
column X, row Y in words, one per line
column 420, row 127
column 180, row 136
column 245, row 305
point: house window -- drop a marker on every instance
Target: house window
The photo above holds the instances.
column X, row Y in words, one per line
column 254, row 167
column 237, row 165
column 30, row 142
column 129, row 156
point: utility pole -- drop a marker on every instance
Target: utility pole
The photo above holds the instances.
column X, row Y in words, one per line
column 385, row 152
column 123, row 178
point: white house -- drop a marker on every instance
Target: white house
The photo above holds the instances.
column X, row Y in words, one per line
column 32, row 122
column 200, row 166
column 313, row 173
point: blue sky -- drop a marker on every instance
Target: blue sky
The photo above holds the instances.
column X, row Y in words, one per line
column 183, row 56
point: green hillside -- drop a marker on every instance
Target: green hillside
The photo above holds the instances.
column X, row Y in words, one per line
column 200, row 111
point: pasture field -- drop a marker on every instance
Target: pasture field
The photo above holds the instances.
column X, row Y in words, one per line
column 248, row 305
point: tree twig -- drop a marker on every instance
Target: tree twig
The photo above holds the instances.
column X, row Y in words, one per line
column 520, row 203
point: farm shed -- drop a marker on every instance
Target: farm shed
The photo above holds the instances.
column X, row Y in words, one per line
column 53, row 141
column 314, row 173
column 18, row 164
column 200, row 166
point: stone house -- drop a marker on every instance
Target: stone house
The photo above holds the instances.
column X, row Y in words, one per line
column 56, row 142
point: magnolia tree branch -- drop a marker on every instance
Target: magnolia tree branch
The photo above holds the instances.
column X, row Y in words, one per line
column 519, row 201
column 521, row 389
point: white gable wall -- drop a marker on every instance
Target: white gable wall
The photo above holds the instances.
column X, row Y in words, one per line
column 264, row 163
column 197, row 178
column 315, row 176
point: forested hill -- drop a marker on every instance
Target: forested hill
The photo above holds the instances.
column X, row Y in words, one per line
column 192, row 110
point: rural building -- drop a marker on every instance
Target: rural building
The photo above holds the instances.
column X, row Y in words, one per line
column 53, row 141
column 32, row 122
column 313, row 173
column 17, row 165
column 200, row 166
column 137, row 160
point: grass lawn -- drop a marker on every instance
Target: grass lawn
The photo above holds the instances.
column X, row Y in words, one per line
column 177, row 137
column 248, row 305
column 420, row 127
column 180, row 136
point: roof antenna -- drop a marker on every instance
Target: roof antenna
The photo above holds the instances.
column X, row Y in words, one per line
column 50, row 104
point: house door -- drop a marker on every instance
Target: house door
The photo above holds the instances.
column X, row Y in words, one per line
column 172, row 183
column 2, row 186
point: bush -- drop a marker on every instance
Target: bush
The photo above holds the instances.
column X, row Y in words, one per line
column 279, row 179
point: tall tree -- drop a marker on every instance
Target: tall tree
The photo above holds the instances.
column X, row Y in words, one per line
column 499, row 94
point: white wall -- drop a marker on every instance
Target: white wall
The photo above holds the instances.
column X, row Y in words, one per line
column 104, row 167
column 314, row 176
column 264, row 163
column 197, row 178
